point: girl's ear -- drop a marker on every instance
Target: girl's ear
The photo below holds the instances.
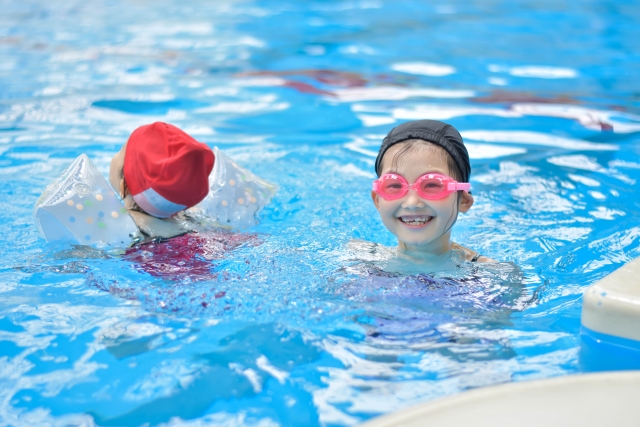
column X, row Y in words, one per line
column 466, row 201
column 376, row 199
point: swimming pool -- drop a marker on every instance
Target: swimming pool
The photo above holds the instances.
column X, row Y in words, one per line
column 282, row 329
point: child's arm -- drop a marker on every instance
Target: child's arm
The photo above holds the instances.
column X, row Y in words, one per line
column 158, row 227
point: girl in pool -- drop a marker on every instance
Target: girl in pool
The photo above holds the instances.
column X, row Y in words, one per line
column 423, row 184
column 417, row 291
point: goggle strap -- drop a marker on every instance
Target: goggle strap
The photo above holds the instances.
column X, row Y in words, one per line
column 455, row 186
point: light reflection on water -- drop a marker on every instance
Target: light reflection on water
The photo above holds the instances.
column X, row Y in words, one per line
column 285, row 324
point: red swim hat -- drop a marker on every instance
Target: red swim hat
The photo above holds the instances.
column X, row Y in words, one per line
column 166, row 170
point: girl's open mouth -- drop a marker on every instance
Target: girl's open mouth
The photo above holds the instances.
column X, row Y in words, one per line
column 415, row 220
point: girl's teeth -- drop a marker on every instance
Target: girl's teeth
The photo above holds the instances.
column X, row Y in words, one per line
column 416, row 220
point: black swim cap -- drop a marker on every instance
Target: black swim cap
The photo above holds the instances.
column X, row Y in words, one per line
column 438, row 133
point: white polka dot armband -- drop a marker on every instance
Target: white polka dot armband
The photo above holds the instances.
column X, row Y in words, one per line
column 81, row 208
column 236, row 196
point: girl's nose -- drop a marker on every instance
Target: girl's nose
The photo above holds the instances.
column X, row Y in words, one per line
column 412, row 200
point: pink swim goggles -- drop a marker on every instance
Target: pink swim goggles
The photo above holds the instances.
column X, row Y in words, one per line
column 430, row 186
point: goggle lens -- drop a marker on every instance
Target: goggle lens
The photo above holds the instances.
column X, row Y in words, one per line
column 431, row 187
column 393, row 187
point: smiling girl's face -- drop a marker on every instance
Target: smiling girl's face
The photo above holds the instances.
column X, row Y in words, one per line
column 421, row 226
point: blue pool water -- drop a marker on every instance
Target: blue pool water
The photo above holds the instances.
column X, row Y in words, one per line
column 286, row 324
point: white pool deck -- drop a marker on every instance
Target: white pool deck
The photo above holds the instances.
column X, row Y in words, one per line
column 611, row 308
column 587, row 400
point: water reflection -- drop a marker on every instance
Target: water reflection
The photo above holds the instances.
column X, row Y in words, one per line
column 284, row 325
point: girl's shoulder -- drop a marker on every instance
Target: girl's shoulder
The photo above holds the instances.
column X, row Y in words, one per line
column 370, row 251
column 471, row 255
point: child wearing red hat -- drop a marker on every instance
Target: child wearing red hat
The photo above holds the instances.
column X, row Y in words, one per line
column 159, row 172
